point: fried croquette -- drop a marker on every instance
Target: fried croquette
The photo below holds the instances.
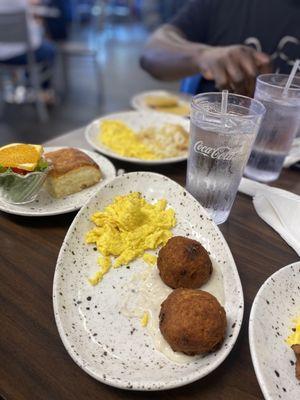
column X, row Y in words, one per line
column 184, row 262
column 192, row 321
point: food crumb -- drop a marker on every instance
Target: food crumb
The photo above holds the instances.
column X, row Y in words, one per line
column 145, row 319
column 94, row 280
column 105, row 265
column 150, row 259
column 294, row 338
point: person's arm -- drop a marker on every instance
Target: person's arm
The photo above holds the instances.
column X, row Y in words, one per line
column 168, row 55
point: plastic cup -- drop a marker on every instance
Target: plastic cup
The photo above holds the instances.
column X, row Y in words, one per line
column 220, row 145
column 278, row 128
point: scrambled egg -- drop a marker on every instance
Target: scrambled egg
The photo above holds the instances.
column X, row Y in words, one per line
column 153, row 142
column 105, row 265
column 145, row 319
column 127, row 228
column 150, row 259
column 294, row 338
column 118, row 137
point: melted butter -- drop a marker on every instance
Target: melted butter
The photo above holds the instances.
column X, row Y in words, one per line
column 146, row 292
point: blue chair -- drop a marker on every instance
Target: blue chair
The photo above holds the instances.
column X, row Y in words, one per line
column 190, row 84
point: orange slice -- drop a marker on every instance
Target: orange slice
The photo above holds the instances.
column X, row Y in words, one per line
column 20, row 155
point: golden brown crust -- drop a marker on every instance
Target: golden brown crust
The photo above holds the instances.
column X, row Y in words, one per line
column 192, row 321
column 184, row 262
column 66, row 160
column 296, row 348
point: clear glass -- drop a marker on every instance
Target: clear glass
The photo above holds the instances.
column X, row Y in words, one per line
column 219, row 149
column 21, row 189
column 278, row 128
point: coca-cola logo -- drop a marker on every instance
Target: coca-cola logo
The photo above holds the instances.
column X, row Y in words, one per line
column 219, row 153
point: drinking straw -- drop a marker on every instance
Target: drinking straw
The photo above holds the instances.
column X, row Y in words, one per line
column 291, row 77
column 224, row 105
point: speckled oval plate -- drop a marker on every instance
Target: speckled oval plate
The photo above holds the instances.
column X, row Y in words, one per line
column 46, row 205
column 136, row 120
column 109, row 346
column 275, row 306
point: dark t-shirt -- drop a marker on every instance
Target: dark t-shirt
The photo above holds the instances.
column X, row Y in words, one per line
column 271, row 26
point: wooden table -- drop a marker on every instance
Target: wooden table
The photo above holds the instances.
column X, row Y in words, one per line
column 34, row 364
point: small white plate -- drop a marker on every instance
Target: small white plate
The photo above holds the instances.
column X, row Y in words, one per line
column 136, row 120
column 138, row 102
column 46, row 205
column 275, row 306
column 110, row 347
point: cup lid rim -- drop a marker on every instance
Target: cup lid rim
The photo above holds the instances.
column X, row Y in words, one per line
column 248, row 116
column 259, row 78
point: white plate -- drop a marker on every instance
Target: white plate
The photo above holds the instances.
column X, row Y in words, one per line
column 110, row 347
column 276, row 304
column 136, row 120
column 138, row 102
column 46, row 205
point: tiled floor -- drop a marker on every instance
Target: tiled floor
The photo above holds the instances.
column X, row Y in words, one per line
column 118, row 48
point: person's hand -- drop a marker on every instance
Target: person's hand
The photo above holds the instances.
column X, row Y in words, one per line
column 233, row 67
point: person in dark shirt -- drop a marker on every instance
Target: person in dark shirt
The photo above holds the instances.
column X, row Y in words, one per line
column 58, row 28
column 229, row 42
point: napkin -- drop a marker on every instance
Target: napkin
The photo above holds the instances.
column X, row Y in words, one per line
column 278, row 208
column 294, row 154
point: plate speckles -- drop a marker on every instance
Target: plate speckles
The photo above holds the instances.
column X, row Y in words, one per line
column 98, row 337
column 46, row 205
column 276, row 304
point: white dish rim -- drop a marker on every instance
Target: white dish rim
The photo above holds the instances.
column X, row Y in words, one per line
column 257, row 368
